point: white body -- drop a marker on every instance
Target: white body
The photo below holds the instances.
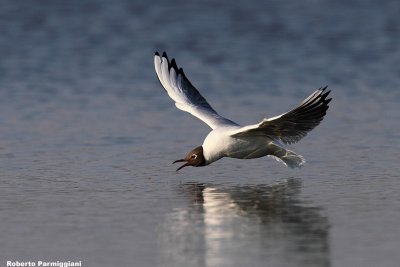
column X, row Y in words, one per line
column 227, row 138
column 220, row 143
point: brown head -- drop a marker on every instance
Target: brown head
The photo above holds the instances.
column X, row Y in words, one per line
column 194, row 158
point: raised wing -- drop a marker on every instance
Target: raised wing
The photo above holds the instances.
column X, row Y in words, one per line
column 290, row 127
column 185, row 95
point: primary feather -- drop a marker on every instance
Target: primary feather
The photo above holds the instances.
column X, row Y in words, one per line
column 291, row 126
column 185, row 95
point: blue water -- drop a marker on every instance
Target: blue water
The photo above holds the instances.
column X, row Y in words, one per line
column 87, row 134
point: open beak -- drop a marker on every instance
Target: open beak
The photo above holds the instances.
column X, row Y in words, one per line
column 183, row 166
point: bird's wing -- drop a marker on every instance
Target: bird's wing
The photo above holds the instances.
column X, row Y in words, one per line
column 291, row 126
column 185, row 95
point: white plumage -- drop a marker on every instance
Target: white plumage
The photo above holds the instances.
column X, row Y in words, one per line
column 229, row 139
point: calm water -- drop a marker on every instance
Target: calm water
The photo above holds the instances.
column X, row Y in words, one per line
column 87, row 135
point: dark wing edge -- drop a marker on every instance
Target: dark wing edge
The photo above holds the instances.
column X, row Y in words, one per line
column 185, row 95
column 292, row 126
column 192, row 94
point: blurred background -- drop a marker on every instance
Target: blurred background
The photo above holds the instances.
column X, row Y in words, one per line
column 87, row 134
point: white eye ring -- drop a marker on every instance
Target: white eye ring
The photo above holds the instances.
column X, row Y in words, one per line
column 194, row 156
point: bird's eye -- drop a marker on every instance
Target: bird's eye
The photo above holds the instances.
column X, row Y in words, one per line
column 194, row 156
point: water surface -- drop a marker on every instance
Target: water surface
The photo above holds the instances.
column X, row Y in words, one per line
column 88, row 134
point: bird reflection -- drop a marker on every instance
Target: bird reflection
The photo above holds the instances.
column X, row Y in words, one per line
column 253, row 225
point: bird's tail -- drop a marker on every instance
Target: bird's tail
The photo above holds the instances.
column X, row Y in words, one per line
column 286, row 156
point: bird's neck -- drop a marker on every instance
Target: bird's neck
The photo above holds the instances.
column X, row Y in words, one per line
column 210, row 156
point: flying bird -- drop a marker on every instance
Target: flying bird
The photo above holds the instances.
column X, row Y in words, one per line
column 229, row 139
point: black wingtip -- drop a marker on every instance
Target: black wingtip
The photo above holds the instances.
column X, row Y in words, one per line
column 325, row 94
column 173, row 64
column 164, row 55
column 180, row 71
column 323, row 88
column 327, row 101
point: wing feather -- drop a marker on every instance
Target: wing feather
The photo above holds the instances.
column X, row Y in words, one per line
column 185, row 95
column 292, row 126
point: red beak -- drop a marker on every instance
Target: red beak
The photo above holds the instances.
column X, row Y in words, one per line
column 183, row 166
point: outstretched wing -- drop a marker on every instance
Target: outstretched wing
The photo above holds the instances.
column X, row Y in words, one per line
column 290, row 127
column 185, row 95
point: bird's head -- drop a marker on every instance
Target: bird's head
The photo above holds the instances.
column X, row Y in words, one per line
column 194, row 158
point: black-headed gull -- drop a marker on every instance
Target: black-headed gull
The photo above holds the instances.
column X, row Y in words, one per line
column 229, row 139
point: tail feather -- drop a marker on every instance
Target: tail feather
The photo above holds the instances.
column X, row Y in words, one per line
column 287, row 157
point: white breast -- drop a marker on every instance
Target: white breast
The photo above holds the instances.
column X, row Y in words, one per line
column 219, row 143
column 216, row 144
